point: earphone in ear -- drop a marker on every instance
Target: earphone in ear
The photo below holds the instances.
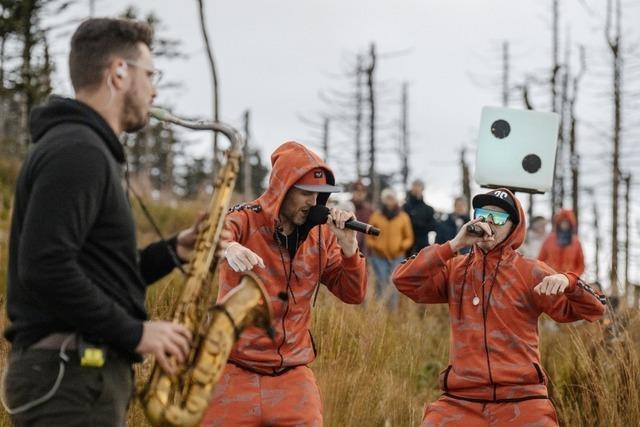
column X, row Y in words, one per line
column 121, row 71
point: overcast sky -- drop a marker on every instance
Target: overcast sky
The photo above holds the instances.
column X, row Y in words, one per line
column 275, row 56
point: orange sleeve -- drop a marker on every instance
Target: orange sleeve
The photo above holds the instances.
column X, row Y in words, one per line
column 544, row 251
column 579, row 301
column 237, row 223
column 578, row 266
column 424, row 277
column 345, row 277
column 407, row 232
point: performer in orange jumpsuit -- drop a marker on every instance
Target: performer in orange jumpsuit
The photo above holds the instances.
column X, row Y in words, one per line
column 561, row 249
column 267, row 382
column 495, row 297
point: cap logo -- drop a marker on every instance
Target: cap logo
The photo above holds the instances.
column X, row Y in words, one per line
column 317, row 174
column 500, row 194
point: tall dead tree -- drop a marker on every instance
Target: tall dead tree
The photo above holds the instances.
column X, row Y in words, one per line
column 574, row 157
column 627, row 225
column 373, row 176
column 596, row 230
column 553, row 84
column 27, row 12
column 563, row 137
column 466, row 176
column 404, row 135
column 325, row 139
column 613, row 37
column 505, row 73
column 358, row 117
column 246, row 161
column 214, row 79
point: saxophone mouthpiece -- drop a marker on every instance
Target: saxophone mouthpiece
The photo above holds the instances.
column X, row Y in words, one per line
column 158, row 113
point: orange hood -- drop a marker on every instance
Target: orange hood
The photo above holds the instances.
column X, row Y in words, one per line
column 565, row 215
column 290, row 162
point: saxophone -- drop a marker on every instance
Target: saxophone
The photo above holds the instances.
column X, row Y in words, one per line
column 181, row 400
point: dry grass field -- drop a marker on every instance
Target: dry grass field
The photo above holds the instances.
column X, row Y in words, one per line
column 377, row 368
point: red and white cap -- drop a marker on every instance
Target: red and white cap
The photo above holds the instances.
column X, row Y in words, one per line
column 316, row 180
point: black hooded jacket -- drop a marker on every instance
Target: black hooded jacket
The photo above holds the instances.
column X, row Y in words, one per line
column 422, row 221
column 73, row 261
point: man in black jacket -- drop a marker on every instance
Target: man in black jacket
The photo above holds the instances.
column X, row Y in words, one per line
column 422, row 216
column 449, row 226
column 76, row 279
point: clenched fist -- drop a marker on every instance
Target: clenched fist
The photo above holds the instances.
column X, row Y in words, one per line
column 555, row 284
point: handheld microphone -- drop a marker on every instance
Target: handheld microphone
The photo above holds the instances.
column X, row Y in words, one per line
column 476, row 230
column 318, row 214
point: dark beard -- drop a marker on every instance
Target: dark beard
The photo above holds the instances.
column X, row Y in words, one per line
column 131, row 120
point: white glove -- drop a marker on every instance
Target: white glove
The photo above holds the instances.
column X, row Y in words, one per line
column 241, row 259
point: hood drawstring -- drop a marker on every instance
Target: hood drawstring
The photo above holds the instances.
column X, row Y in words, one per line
column 315, row 293
column 493, row 281
column 288, row 274
column 464, row 281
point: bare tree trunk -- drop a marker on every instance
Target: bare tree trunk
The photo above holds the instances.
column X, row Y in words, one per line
column 214, row 77
column 404, row 135
column 466, row 177
column 358, row 124
column 3, row 105
column 575, row 158
column 325, row 139
column 27, row 96
column 505, row 74
column 246, row 160
column 627, row 211
column 553, row 81
column 373, row 176
column 596, row 230
column 562, row 149
column 614, row 45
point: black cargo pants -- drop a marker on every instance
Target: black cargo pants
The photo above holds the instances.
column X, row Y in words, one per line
column 86, row 396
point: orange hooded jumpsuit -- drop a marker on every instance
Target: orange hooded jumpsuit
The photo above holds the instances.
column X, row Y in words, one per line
column 563, row 258
column 494, row 377
column 267, row 382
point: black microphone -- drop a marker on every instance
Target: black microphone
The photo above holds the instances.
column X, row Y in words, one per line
column 318, row 215
column 475, row 230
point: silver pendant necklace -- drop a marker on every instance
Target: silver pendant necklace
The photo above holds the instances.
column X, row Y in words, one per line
column 475, row 300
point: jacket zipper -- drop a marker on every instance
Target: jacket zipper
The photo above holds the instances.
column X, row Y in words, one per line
column 484, row 321
column 286, row 310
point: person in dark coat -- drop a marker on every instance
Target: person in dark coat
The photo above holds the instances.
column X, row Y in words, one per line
column 422, row 216
column 449, row 226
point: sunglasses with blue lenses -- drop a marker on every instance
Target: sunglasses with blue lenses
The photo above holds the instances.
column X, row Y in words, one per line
column 497, row 217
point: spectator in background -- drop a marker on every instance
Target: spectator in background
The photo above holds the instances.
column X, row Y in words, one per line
column 388, row 249
column 536, row 235
column 363, row 209
column 562, row 250
column 448, row 228
column 422, row 216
